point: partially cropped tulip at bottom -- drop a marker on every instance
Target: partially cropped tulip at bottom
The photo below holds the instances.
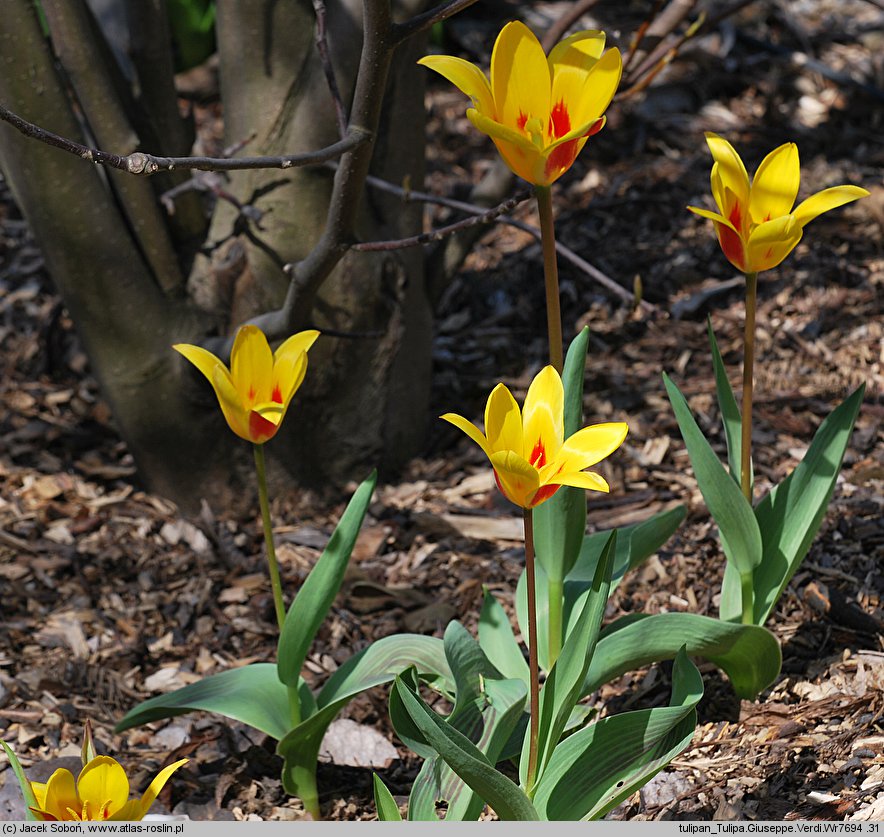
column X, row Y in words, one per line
column 531, row 461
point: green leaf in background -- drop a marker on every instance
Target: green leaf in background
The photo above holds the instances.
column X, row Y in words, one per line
column 466, row 760
column 561, row 691
column 388, row 810
column 498, row 641
column 192, row 23
column 738, row 530
column 26, row 791
column 310, row 607
column 560, row 522
column 251, row 694
column 730, row 412
column 791, row 515
column 375, row 665
column 596, row 768
column 748, row 654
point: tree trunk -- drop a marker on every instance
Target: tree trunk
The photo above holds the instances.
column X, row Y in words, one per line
column 364, row 401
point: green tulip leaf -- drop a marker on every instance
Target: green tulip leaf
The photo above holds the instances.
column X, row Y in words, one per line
column 388, row 810
column 730, row 412
column 791, row 515
column 498, row 641
column 311, row 605
column 562, row 688
column 594, row 769
column 375, row 665
column 748, row 654
column 560, row 522
column 27, row 791
column 466, row 759
column 251, row 694
column 738, row 529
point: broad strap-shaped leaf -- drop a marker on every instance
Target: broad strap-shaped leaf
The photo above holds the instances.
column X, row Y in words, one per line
column 597, row 767
column 791, row 515
column 311, row 605
column 27, row 792
column 466, row 760
column 738, row 529
column 375, row 665
column 251, row 694
column 730, row 412
column 635, row 544
column 560, row 522
column 562, row 688
column 748, row 654
column 498, row 641
column 388, row 810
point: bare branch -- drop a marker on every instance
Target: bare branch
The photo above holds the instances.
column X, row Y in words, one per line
column 565, row 22
column 147, row 164
column 325, row 60
column 484, row 216
column 419, row 23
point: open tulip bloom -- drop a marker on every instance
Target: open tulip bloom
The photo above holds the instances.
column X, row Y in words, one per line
column 539, row 110
column 756, row 224
column 101, row 792
column 255, row 392
column 531, row 460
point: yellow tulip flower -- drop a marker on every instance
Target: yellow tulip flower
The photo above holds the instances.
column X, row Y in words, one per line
column 538, row 110
column 101, row 792
column 756, row 224
column 531, row 459
column 255, row 392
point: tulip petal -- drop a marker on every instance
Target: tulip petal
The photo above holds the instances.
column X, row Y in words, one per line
column 828, row 199
column 466, row 77
column 503, row 422
column 157, row 784
column 583, row 95
column 295, row 345
column 251, row 365
column 235, row 413
column 775, row 185
column 582, row 49
column 523, row 158
column 711, row 216
column 520, row 77
column 590, row 445
column 583, row 479
column 517, row 479
column 201, row 358
column 130, row 812
column 61, row 795
column 470, row 429
column 771, row 242
column 542, row 418
column 497, row 131
column 102, row 781
column 39, row 791
column 727, row 173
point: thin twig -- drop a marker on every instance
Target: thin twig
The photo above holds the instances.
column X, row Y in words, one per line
column 419, row 23
column 640, row 35
column 327, row 68
column 147, row 164
column 484, row 215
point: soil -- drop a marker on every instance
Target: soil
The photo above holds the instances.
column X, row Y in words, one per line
column 110, row 595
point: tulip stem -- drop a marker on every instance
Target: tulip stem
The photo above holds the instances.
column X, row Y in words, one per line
column 748, row 364
column 550, row 276
column 532, row 653
column 272, row 563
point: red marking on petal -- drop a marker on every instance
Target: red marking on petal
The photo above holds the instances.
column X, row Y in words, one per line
column 736, row 217
column 731, row 246
column 767, row 217
column 561, row 159
column 538, row 455
column 559, row 120
column 251, row 393
column 520, row 122
column 543, row 493
column 260, row 429
column 595, row 128
column 277, row 395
